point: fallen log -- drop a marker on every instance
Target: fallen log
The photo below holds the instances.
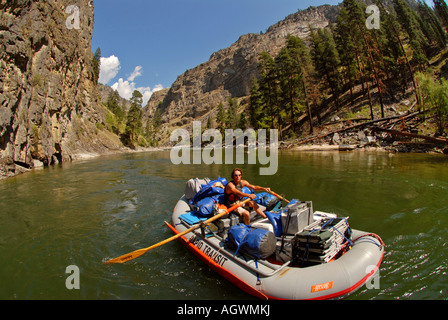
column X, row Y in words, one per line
column 412, row 135
column 345, row 120
column 357, row 126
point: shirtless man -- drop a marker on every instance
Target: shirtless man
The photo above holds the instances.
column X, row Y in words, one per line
column 233, row 194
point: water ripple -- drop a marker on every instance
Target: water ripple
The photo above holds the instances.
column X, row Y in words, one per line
column 89, row 212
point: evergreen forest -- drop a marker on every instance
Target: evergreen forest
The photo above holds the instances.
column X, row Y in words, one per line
column 372, row 57
column 402, row 55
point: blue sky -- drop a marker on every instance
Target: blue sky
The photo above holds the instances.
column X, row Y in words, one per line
column 147, row 44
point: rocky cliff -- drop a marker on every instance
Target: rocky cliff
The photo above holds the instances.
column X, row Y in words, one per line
column 230, row 71
column 49, row 105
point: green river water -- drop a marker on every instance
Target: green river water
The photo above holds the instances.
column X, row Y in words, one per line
column 83, row 213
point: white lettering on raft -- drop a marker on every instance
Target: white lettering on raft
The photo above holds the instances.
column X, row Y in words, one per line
column 208, row 251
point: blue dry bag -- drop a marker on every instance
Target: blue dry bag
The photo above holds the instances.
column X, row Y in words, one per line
column 258, row 243
column 267, row 200
column 204, row 207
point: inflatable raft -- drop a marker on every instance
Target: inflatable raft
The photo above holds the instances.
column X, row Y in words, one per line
column 301, row 266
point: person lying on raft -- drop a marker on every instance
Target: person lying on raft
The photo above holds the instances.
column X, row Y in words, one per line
column 234, row 193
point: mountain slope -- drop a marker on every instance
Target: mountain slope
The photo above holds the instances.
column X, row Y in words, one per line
column 230, row 71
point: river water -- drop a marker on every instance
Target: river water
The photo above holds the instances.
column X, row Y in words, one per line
column 83, row 213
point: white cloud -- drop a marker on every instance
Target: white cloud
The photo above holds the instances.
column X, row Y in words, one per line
column 109, row 69
column 125, row 89
column 147, row 92
column 137, row 73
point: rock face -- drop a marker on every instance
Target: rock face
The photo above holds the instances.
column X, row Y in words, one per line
column 106, row 91
column 49, row 105
column 229, row 72
column 150, row 109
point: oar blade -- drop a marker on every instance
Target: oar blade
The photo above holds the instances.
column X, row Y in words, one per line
column 127, row 257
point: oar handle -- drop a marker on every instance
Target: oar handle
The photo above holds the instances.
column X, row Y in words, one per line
column 279, row 196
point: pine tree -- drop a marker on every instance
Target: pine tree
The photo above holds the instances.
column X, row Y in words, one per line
column 409, row 21
column 431, row 25
column 221, row 118
column 296, row 75
column 290, row 80
column 394, row 56
column 257, row 107
column 441, row 10
column 96, row 65
column 209, row 123
column 231, row 118
column 242, row 121
column 347, row 49
column 113, row 105
column 115, row 119
column 157, row 120
column 303, row 57
column 367, row 45
column 134, row 119
column 270, row 89
column 152, row 128
column 390, row 18
column 326, row 61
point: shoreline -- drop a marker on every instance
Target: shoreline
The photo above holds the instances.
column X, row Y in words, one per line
column 10, row 169
column 397, row 148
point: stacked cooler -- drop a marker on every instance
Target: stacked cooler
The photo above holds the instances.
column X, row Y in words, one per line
column 320, row 242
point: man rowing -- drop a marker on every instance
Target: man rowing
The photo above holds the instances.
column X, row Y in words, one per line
column 234, row 193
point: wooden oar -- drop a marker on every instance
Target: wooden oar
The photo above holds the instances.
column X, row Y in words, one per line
column 280, row 197
column 140, row 252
